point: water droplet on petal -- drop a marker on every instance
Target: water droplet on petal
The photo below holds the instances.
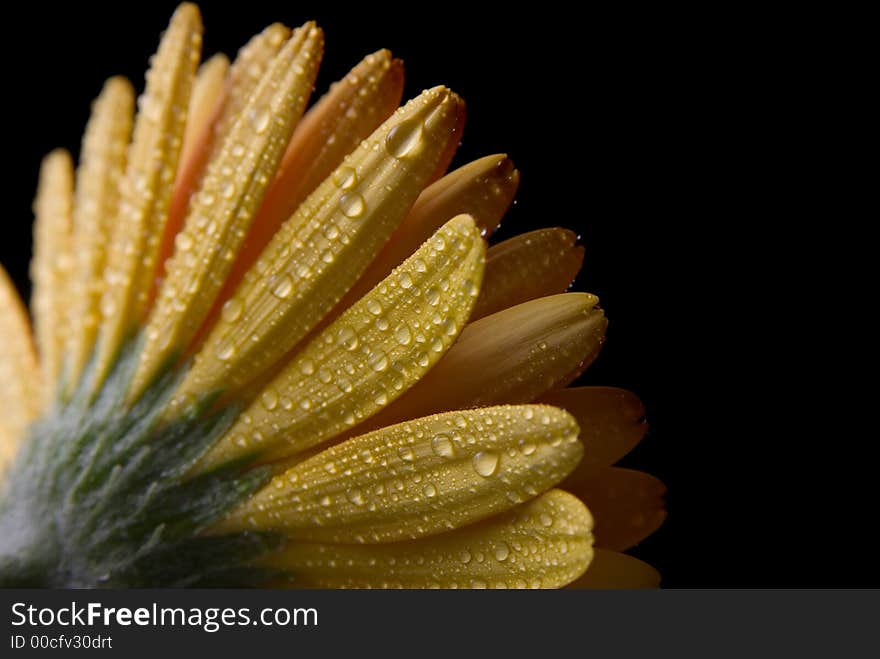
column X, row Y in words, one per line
column 486, row 463
column 403, row 138
column 442, row 446
column 352, row 205
column 283, row 287
column 231, row 311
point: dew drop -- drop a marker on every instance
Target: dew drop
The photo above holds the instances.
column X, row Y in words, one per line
column 356, row 496
column 347, row 338
column 260, row 120
column 486, row 463
column 406, row 454
column 352, row 204
column 307, row 366
column 403, row 335
column 283, row 287
column 403, row 138
column 430, row 490
column 269, row 399
column 374, row 307
column 442, row 446
column 464, row 556
column 378, row 361
column 405, row 280
column 183, row 241
column 225, row 351
column 231, row 311
column 345, row 178
column 228, row 191
column 528, row 448
column 502, row 551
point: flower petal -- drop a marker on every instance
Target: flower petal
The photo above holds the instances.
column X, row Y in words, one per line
column 627, row 504
column 333, row 128
column 544, row 543
column 205, row 104
column 483, row 189
column 242, row 79
column 19, row 372
column 101, row 168
column 231, row 191
column 324, row 247
column 611, row 422
column 370, row 355
column 51, row 264
column 610, row 569
column 528, row 266
column 512, row 356
column 418, row 478
column 145, row 191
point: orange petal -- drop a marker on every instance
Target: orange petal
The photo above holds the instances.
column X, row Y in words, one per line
column 610, row 569
column 512, row 356
column 51, row 264
column 19, row 372
column 528, row 266
column 611, row 422
column 627, row 505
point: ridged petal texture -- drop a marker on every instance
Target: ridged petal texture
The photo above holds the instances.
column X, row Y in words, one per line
column 232, row 190
column 323, row 248
column 544, row 543
column 418, row 478
column 19, row 374
column 374, row 352
column 146, row 187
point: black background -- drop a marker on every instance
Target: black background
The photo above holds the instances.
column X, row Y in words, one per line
column 634, row 127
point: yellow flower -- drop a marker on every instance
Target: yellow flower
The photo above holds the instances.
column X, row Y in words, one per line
column 270, row 346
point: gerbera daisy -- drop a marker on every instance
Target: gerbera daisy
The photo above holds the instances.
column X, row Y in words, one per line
column 270, row 347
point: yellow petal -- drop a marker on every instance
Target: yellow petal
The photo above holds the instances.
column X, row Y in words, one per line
column 483, row 189
column 242, row 79
column 208, row 94
column 146, row 188
column 324, row 247
column 544, row 543
column 231, row 192
column 370, row 355
column 19, row 374
column 342, row 119
column 418, row 478
column 528, row 266
column 610, row 569
column 51, row 264
column 611, row 422
column 512, row 356
column 627, row 504
column 247, row 73
column 101, row 168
